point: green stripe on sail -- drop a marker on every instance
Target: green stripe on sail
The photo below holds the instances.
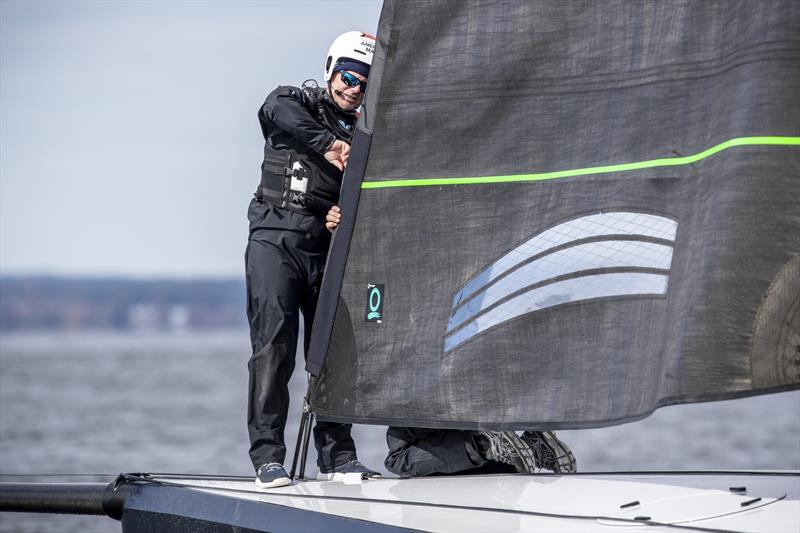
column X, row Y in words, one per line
column 665, row 162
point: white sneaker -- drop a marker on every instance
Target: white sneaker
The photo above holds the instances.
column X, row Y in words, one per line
column 353, row 468
column 550, row 452
column 506, row 447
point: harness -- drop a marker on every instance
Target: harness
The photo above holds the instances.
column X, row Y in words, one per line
column 293, row 194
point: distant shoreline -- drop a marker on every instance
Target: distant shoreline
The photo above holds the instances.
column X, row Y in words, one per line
column 57, row 303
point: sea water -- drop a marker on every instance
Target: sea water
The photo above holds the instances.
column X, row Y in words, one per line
column 87, row 406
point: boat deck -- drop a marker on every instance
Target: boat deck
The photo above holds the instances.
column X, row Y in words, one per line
column 591, row 502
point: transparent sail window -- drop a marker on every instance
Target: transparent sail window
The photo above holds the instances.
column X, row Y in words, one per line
column 592, row 255
column 614, row 223
column 570, row 290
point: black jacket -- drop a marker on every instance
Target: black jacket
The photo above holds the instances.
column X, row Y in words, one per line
column 301, row 125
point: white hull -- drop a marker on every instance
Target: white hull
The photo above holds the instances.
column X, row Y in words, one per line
column 539, row 502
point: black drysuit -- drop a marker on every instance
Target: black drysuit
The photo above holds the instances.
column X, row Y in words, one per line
column 431, row 452
column 284, row 262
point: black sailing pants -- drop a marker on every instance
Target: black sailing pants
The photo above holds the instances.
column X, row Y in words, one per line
column 284, row 262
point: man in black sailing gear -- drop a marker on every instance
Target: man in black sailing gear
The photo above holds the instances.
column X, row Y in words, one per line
column 307, row 132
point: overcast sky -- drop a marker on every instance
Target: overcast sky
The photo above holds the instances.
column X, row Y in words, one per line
column 129, row 143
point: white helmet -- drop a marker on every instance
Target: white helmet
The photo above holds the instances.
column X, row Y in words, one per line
column 353, row 47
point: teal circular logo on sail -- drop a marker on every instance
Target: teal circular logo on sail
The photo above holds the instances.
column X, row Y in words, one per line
column 374, row 301
column 374, row 310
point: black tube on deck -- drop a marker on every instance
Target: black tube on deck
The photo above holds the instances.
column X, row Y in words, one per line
column 64, row 498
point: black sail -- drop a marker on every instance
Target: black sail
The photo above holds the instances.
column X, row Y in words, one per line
column 566, row 214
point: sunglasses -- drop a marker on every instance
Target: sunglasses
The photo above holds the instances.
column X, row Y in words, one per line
column 352, row 81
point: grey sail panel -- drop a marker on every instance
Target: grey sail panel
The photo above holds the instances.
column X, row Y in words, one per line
column 568, row 215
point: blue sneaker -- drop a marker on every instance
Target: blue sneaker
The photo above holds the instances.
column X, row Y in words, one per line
column 272, row 475
column 353, row 467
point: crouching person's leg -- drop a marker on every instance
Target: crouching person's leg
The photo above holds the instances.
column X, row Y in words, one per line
column 427, row 452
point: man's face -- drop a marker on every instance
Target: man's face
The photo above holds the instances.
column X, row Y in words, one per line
column 345, row 96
